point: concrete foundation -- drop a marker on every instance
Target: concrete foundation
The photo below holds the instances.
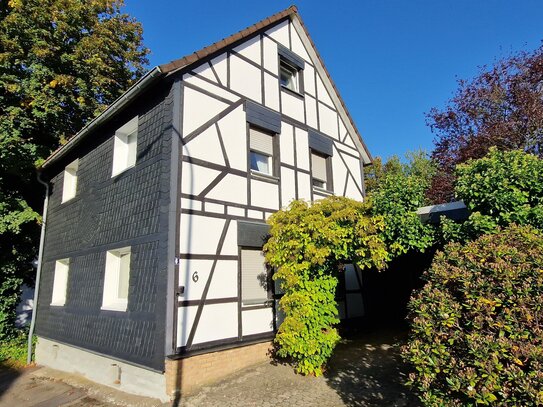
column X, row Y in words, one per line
column 101, row 369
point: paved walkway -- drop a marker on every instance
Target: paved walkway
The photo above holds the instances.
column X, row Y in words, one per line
column 364, row 371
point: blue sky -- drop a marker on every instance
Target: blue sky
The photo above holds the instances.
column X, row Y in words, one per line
column 391, row 60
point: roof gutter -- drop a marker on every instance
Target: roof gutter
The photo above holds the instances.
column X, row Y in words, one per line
column 118, row 104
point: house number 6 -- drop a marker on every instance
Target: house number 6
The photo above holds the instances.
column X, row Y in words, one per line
column 195, row 277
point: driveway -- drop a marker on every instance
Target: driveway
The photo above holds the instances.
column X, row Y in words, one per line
column 364, row 371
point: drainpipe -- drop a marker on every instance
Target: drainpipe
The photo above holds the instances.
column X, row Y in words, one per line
column 38, row 271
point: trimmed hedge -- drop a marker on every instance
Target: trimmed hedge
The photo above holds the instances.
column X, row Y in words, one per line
column 477, row 325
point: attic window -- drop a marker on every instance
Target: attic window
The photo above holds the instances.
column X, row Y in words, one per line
column 125, row 147
column 289, row 76
column 69, row 187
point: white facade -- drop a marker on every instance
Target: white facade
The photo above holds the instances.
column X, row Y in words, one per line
column 218, row 188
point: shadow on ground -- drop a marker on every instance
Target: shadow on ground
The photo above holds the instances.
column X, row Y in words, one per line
column 367, row 370
column 8, row 375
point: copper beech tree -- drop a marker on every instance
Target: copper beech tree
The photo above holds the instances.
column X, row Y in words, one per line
column 502, row 107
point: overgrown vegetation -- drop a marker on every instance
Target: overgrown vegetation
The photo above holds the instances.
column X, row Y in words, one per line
column 477, row 337
column 309, row 245
column 61, row 62
column 13, row 351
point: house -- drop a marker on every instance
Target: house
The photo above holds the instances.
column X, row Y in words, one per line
column 152, row 277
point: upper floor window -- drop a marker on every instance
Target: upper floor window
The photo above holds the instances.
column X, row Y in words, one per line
column 289, row 76
column 69, row 187
column 60, row 282
column 321, row 171
column 116, row 280
column 261, row 151
column 125, row 147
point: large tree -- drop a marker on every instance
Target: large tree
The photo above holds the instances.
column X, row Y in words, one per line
column 61, row 63
column 502, row 107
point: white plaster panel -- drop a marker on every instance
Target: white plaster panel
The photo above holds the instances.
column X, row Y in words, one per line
column 354, row 166
column 199, row 234
column 205, row 71
column 349, row 141
column 323, row 93
column 218, row 321
column 309, row 80
column 198, row 109
column 264, row 194
column 220, row 64
column 302, row 149
column 224, row 283
column 230, row 245
column 220, row 92
column 257, row 321
column 328, row 121
column 194, row 178
column 271, row 89
column 280, row 33
column 288, row 186
column 351, row 282
column 251, row 213
column 286, row 144
column 339, row 171
column 193, row 290
column 245, row 78
column 191, row 204
column 292, row 106
column 185, row 320
column 355, row 305
column 352, row 191
column 349, row 150
column 231, row 188
column 205, row 146
column 311, row 112
column 233, row 210
column 271, row 60
column 267, row 215
column 234, row 134
column 214, row 207
column 304, row 186
column 250, row 49
column 297, row 45
column 342, row 130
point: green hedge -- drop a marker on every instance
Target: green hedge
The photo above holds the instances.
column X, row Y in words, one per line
column 477, row 325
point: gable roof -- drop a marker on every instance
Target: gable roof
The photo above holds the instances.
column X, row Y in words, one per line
column 191, row 59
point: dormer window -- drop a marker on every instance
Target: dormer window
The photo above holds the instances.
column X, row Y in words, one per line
column 289, row 76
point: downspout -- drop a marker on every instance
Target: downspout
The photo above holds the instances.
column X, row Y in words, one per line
column 38, row 271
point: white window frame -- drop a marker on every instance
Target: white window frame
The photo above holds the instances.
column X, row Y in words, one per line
column 266, row 299
column 111, row 300
column 125, row 147
column 69, row 185
column 289, row 69
column 60, row 282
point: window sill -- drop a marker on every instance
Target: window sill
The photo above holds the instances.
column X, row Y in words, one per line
column 256, row 304
column 322, row 191
column 57, row 304
column 114, row 307
column 292, row 92
column 264, row 177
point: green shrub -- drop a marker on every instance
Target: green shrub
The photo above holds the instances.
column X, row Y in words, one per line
column 477, row 333
column 308, row 246
column 13, row 351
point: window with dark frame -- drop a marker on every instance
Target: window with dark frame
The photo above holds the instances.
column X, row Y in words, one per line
column 320, row 170
column 261, row 151
column 289, row 76
column 256, row 287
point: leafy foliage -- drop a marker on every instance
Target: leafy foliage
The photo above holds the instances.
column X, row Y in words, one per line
column 477, row 337
column 501, row 188
column 309, row 245
column 61, row 63
column 397, row 191
column 502, row 107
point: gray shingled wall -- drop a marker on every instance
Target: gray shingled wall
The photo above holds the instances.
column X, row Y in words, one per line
column 130, row 209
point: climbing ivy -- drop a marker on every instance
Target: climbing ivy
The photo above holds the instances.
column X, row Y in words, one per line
column 308, row 246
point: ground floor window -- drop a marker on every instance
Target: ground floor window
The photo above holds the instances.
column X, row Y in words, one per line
column 255, row 278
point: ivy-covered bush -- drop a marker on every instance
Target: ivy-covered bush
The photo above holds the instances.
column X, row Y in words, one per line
column 477, row 325
column 501, row 188
column 308, row 246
